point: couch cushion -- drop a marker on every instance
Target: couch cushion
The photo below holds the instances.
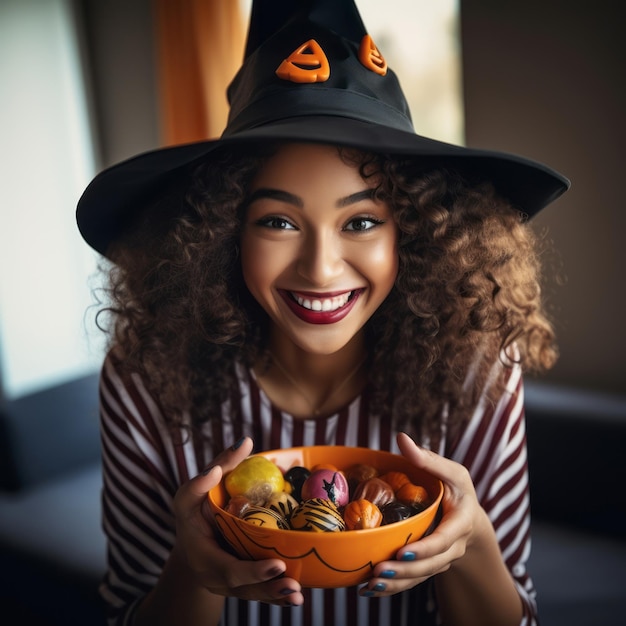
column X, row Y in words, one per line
column 49, row 433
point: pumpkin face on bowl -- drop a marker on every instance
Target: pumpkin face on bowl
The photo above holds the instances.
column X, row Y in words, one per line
column 328, row 559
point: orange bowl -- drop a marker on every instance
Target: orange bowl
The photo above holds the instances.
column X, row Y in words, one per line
column 329, row 559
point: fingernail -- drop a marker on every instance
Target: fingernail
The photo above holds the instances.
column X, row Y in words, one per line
column 367, row 594
column 207, row 469
column 237, row 444
column 408, row 556
column 286, row 591
column 388, row 573
column 274, row 571
column 380, row 587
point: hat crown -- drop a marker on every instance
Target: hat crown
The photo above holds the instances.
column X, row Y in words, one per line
column 332, row 30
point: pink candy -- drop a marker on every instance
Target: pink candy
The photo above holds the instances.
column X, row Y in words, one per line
column 327, row 484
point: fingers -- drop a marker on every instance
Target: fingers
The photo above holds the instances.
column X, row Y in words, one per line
column 231, row 457
column 449, row 472
column 255, row 580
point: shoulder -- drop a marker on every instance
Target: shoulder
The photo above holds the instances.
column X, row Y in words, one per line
column 124, row 396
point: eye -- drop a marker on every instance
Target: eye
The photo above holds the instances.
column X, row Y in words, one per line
column 275, row 222
column 361, row 224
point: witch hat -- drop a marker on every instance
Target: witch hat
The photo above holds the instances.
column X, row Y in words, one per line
column 311, row 73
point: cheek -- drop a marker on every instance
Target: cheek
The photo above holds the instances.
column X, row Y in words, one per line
column 261, row 264
column 383, row 264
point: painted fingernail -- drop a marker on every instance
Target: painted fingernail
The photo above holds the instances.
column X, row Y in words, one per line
column 380, row 587
column 368, row 593
column 237, row 444
column 388, row 573
column 274, row 571
column 408, row 556
column 286, row 591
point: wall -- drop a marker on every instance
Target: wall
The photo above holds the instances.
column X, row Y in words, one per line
column 546, row 79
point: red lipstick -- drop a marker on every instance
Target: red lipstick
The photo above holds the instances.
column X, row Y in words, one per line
column 320, row 317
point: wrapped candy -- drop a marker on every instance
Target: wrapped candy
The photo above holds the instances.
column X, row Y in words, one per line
column 375, row 490
column 317, row 515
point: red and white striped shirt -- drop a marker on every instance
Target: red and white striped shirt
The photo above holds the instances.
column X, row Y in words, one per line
column 143, row 466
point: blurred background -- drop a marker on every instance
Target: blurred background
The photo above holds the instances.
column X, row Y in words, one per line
column 87, row 83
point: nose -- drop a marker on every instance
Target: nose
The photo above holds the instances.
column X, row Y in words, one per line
column 321, row 258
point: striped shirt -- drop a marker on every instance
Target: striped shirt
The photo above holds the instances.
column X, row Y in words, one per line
column 144, row 464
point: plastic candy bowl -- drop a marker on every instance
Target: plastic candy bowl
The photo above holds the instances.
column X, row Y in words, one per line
column 334, row 559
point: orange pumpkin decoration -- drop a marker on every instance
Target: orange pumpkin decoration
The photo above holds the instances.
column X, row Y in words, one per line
column 360, row 514
column 414, row 495
column 370, row 56
column 306, row 64
column 395, row 480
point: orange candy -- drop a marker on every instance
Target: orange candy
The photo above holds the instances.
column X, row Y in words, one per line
column 395, row 479
column 360, row 514
column 411, row 494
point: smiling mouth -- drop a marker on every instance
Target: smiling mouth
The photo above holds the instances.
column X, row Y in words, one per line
column 322, row 304
column 324, row 309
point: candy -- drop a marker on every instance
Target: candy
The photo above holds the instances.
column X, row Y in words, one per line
column 395, row 479
column 411, row 494
column 360, row 514
column 256, row 478
column 282, row 503
column 261, row 516
column 317, row 515
column 325, row 499
column 358, row 473
column 328, row 484
column 295, row 477
column 375, row 490
column 238, row 505
column 396, row 512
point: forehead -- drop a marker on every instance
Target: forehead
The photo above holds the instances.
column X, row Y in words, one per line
column 297, row 166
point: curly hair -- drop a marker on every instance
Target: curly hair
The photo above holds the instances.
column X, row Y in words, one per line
column 467, row 291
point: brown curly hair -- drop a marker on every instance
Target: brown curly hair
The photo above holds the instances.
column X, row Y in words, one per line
column 467, row 291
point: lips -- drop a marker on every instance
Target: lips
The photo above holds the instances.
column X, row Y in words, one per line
column 321, row 308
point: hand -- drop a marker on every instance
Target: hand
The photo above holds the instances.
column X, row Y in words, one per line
column 213, row 568
column 461, row 522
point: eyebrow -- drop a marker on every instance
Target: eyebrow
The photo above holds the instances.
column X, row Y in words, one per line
column 290, row 198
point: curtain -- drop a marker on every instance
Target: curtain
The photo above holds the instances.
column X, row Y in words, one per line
column 200, row 46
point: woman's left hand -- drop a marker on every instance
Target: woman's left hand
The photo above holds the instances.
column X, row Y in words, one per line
column 462, row 518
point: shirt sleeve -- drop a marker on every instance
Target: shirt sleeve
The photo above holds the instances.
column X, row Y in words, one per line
column 493, row 448
column 139, row 483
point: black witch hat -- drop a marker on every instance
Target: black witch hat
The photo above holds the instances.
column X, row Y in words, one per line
column 311, row 73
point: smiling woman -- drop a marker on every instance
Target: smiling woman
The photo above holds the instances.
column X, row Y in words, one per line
column 321, row 274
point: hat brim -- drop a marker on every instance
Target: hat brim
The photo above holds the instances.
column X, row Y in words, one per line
column 119, row 191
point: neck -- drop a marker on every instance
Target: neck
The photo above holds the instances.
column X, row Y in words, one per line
column 310, row 385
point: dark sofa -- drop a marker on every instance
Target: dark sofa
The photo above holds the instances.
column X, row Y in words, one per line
column 52, row 551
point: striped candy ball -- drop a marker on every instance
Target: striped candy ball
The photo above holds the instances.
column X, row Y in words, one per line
column 317, row 515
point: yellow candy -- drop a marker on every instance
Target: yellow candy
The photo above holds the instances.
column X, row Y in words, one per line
column 256, row 478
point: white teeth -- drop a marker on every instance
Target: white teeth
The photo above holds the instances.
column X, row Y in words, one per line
column 325, row 304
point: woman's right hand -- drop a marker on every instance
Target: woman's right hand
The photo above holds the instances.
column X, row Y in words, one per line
column 212, row 567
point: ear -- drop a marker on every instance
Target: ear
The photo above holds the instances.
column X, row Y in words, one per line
column 306, row 64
